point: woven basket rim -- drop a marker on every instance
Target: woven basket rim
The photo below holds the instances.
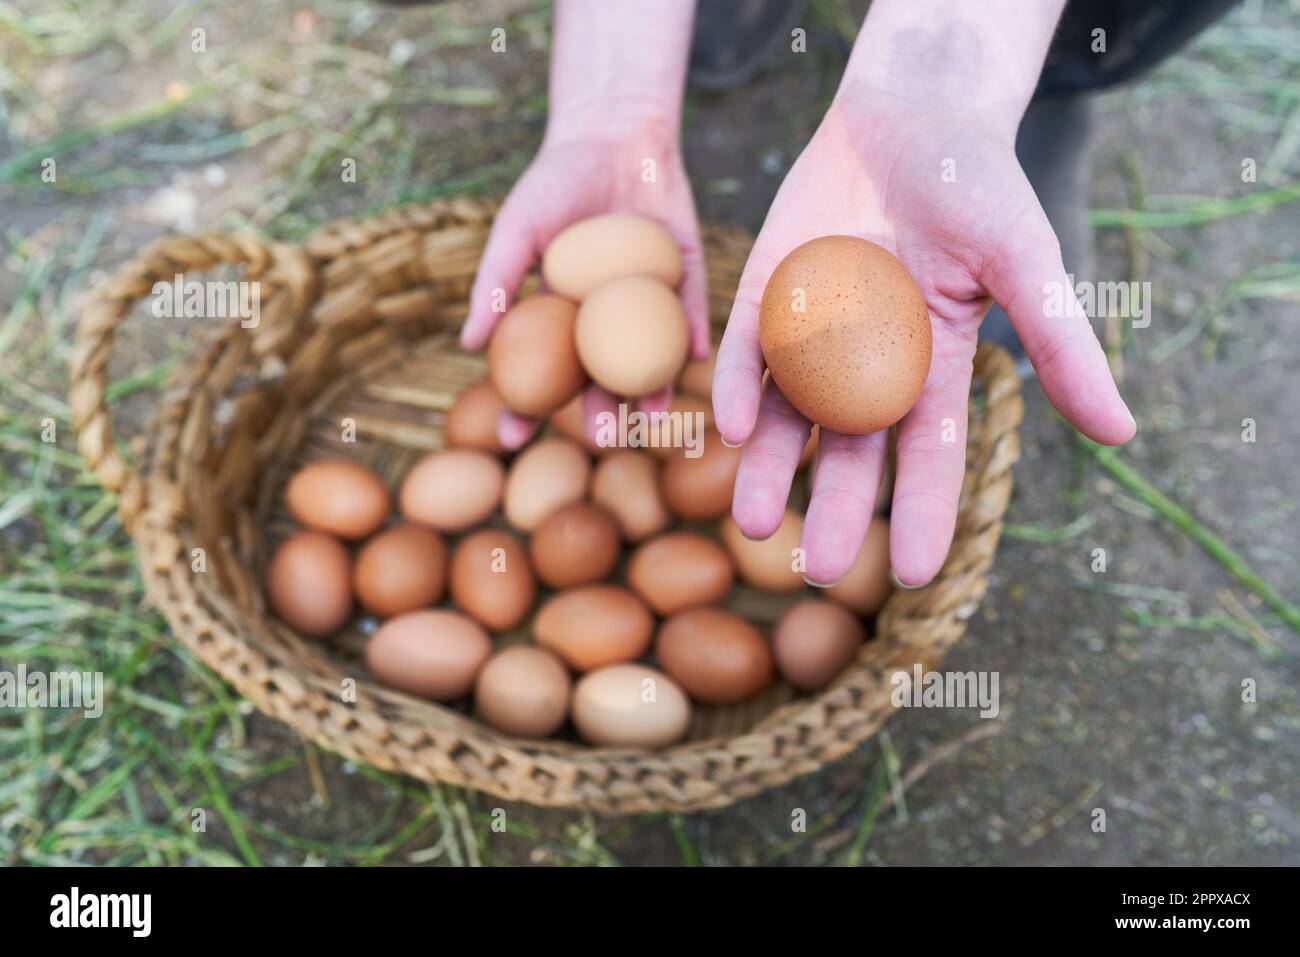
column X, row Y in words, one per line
column 916, row 626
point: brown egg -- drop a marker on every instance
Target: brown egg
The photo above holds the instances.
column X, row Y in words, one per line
column 814, row 641
column 338, row 496
column 688, row 420
column 532, row 360
column 568, row 421
column 630, row 706
column 632, row 335
column 702, row 487
column 697, row 377
column 717, row 656
column 491, row 578
column 866, row 585
column 592, row 252
column 680, row 570
column 452, row 490
column 576, row 544
column 471, row 422
column 594, row 625
column 627, row 483
column 309, row 583
column 772, row 564
column 523, row 691
column 549, row 474
column 845, row 332
column 433, row 653
column 400, row 569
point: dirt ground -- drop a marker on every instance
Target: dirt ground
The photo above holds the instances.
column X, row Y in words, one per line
column 1120, row 690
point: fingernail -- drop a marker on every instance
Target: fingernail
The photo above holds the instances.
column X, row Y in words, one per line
column 817, row 584
column 1130, row 417
column 728, row 444
column 898, row 582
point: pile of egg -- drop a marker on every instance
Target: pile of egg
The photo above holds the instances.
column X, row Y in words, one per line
column 616, row 563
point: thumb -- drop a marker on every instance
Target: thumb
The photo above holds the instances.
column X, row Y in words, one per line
column 1027, row 277
column 509, row 254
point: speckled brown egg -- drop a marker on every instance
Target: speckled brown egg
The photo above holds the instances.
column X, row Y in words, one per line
column 702, row 487
column 338, row 496
column 717, row 656
column 546, row 476
column 574, row 545
column 867, row 584
column 400, row 569
column 524, row 691
column 532, row 360
column 471, row 422
column 593, row 251
column 627, row 483
column 452, row 490
column 433, row 653
column 594, row 625
column 680, row 570
column 309, row 583
column 630, row 706
column 632, row 335
column 845, row 332
column 772, row 563
column 814, row 641
column 491, row 578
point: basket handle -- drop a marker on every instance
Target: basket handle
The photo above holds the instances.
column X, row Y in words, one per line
column 110, row 303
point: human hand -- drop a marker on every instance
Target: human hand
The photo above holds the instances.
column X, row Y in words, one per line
column 875, row 169
column 612, row 145
column 569, row 180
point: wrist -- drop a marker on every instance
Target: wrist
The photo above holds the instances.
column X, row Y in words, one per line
column 938, row 57
column 627, row 118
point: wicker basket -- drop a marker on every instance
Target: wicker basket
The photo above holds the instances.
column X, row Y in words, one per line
column 360, row 322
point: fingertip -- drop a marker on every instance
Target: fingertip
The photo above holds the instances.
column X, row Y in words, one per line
column 1119, row 429
column 514, row 430
column 830, row 543
column 918, row 543
column 736, row 397
column 656, row 402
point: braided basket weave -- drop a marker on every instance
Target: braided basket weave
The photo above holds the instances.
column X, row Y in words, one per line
column 361, row 322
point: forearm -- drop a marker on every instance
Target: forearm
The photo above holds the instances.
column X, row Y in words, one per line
column 978, row 58
column 618, row 66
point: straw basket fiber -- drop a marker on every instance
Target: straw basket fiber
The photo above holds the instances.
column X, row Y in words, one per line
column 360, row 322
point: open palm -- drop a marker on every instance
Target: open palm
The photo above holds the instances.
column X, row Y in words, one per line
column 946, row 195
column 569, row 181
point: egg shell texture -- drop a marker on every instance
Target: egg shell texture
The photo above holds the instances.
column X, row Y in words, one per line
column 814, row 641
column 594, row 625
column 338, row 496
column 471, row 422
column 433, row 653
column 532, row 360
column 717, row 656
column 632, row 335
column 630, row 706
column 680, row 570
column 491, row 578
column 856, row 357
column 524, row 691
column 309, row 583
column 593, row 251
